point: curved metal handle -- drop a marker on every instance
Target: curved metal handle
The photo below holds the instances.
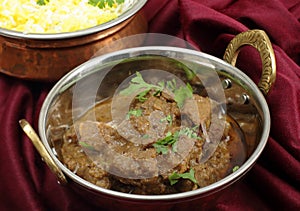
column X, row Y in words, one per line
column 259, row 40
column 42, row 150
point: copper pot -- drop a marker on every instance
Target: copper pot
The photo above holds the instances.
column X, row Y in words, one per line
column 58, row 110
column 47, row 57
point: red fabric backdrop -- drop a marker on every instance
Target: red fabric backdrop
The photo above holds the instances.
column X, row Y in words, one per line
column 273, row 183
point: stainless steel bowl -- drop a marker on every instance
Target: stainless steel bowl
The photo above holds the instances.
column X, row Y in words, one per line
column 57, row 110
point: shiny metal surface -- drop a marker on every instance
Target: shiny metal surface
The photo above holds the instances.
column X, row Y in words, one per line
column 211, row 62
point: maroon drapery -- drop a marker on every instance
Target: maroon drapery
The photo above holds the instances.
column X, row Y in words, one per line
column 273, row 183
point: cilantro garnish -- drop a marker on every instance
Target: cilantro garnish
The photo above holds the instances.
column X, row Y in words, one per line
column 171, row 85
column 174, row 178
column 85, row 145
column 183, row 93
column 102, row 3
column 162, row 146
column 97, row 3
column 146, row 136
column 133, row 112
column 235, row 168
column 190, row 132
column 42, row 2
column 141, row 96
column 138, row 83
column 168, row 119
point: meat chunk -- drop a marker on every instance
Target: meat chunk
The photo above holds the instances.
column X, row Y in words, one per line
column 198, row 109
column 116, row 154
column 74, row 157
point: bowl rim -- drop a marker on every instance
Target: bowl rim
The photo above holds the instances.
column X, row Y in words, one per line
column 137, row 6
column 76, row 74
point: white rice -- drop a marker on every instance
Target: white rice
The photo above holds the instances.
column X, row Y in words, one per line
column 56, row 16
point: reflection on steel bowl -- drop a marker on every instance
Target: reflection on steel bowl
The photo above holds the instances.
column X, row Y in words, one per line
column 149, row 127
column 49, row 56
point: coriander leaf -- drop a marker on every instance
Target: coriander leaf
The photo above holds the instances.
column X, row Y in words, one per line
column 141, row 96
column 42, row 2
column 171, row 85
column 183, row 93
column 168, row 119
column 162, row 145
column 138, row 79
column 85, row 145
column 120, row 1
column 174, row 178
column 133, row 112
column 235, row 168
column 146, row 136
column 171, row 140
column 190, row 132
column 102, row 3
column 161, row 148
column 161, row 84
column 168, row 138
column 110, row 2
column 97, row 3
column 157, row 93
column 137, row 83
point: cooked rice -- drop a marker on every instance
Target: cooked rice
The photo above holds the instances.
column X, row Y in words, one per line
column 56, row 16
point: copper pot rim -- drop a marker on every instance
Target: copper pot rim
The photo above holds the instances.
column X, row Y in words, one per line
column 85, row 68
column 137, row 6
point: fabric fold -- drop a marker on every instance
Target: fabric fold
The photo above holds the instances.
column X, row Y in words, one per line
column 27, row 183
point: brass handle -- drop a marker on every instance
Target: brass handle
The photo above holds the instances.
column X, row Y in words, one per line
column 259, row 40
column 42, row 150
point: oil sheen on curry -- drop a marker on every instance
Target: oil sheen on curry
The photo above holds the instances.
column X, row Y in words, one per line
column 155, row 138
